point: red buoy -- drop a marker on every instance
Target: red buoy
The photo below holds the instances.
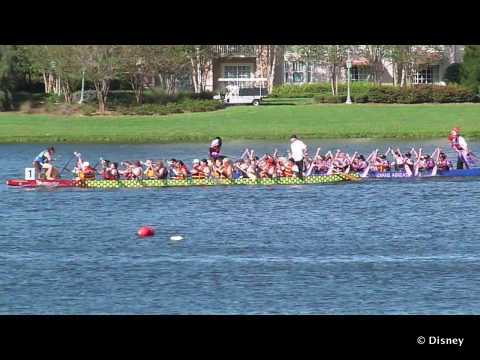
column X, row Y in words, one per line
column 145, row 231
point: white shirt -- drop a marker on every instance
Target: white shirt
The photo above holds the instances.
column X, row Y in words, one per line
column 463, row 143
column 298, row 147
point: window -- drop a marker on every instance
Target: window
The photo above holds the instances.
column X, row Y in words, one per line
column 237, row 71
column 298, row 66
column 423, row 76
column 359, row 73
column 297, row 72
column 297, row 77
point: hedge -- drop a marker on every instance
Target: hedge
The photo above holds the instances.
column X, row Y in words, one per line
column 386, row 94
column 317, row 89
column 171, row 108
column 330, row 99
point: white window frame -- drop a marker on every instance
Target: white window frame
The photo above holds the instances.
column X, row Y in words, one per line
column 423, row 75
column 250, row 65
column 294, row 69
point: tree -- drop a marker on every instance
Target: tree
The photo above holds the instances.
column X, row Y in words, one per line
column 67, row 68
column 375, row 54
column 172, row 62
column 6, row 69
column 452, row 73
column 42, row 63
column 331, row 56
column 406, row 59
column 470, row 69
column 272, row 55
column 102, row 64
column 134, row 63
column 200, row 57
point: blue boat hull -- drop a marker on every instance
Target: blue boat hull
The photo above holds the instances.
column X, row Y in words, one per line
column 450, row 173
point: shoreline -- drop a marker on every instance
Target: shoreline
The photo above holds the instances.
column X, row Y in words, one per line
column 121, row 141
column 269, row 122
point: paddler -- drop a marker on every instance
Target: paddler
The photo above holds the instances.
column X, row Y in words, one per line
column 409, row 165
column 459, row 144
column 137, row 170
column 83, row 169
column 110, row 171
column 44, row 160
column 161, row 170
column 198, row 170
column 149, row 172
column 227, row 168
column 181, row 170
column 291, row 169
column 87, row 172
column 443, row 163
column 399, row 160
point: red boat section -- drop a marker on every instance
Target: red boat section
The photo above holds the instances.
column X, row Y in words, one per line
column 41, row 183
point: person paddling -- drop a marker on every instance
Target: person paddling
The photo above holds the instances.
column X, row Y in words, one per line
column 459, row 144
column 298, row 150
column 44, row 160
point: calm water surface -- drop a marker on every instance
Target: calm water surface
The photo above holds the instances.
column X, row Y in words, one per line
column 378, row 247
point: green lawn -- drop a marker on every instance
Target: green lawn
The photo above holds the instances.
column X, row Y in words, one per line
column 249, row 122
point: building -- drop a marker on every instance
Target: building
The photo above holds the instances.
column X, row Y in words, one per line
column 429, row 70
column 244, row 61
column 256, row 61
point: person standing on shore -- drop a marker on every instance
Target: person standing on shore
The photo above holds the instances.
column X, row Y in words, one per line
column 298, row 150
column 459, row 144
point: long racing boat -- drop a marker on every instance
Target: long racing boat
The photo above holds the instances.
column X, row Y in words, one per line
column 115, row 184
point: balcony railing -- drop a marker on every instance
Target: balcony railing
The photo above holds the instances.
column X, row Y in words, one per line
column 235, row 50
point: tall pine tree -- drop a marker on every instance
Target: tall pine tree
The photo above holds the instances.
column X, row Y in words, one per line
column 470, row 69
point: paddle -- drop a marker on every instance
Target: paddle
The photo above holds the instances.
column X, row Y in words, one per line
column 246, row 173
column 417, row 165
column 67, row 164
column 349, row 177
column 435, row 168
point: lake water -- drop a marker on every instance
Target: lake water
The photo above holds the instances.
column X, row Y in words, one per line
column 390, row 246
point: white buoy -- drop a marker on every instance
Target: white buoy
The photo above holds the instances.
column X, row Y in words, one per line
column 176, row 237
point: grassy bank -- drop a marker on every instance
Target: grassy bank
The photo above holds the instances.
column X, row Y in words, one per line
column 274, row 121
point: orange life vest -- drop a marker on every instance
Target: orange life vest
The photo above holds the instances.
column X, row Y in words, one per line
column 288, row 171
column 150, row 173
column 87, row 174
column 200, row 173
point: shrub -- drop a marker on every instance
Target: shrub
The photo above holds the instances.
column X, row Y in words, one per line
column 360, row 99
column 171, row 108
column 330, row 99
column 88, row 96
column 5, row 100
column 158, row 97
column 54, row 98
column 88, row 109
column 421, row 94
column 452, row 73
column 26, row 107
column 206, row 95
column 315, row 89
column 453, row 93
column 383, row 94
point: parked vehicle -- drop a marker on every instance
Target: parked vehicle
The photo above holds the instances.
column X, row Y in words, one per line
column 243, row 91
